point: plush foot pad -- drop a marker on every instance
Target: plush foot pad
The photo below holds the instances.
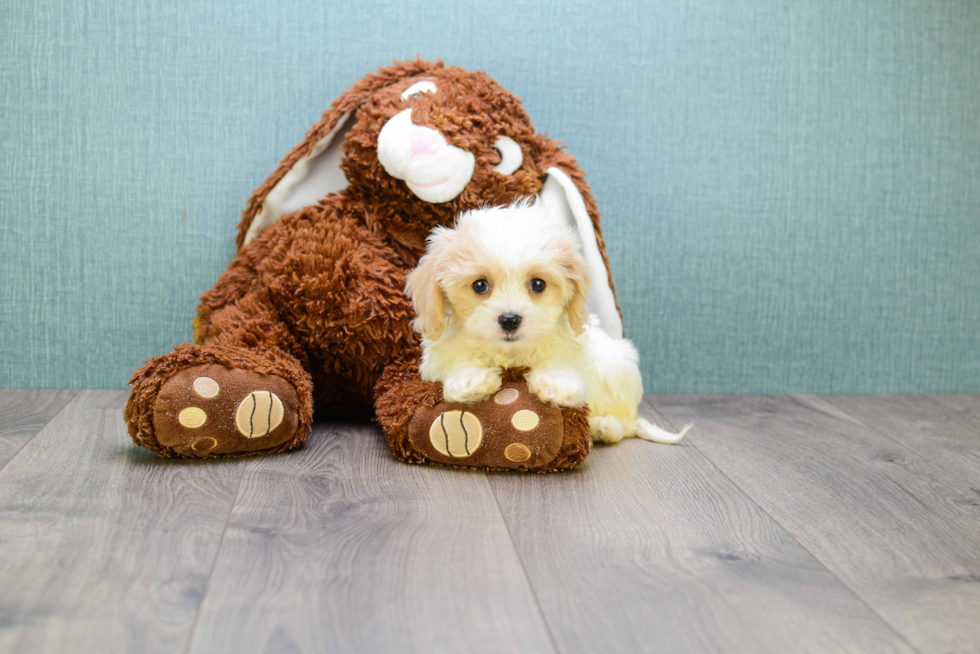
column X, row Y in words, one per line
column 511, row 430
column 210, row 410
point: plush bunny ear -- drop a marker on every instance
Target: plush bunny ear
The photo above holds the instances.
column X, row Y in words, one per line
column 311, row 177
column 312, row 170
column 564, row 200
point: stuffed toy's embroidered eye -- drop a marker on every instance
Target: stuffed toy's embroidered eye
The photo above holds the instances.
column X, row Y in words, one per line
column 537, row 285
column 425, row 86
column 481, row 286
column 510, row 153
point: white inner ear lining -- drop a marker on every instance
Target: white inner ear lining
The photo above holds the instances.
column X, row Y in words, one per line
column 272, row 207
column 565, row 202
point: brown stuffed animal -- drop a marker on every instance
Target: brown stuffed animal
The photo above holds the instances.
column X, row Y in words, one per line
column 311, row 314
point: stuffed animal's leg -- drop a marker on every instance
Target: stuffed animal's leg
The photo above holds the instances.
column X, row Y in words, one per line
column 513, row 430
column 243, row 391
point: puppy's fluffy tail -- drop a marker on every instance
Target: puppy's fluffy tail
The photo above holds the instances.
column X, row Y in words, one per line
column 650, row 432
column 610, row 429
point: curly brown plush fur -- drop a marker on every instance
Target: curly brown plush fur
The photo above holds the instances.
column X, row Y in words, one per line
column 317, row 297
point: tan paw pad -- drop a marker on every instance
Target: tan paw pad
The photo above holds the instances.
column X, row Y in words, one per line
column 259, row 414
column 506, row 396
column 525, row 420
column 517, row 452
column 456, row 433
column 192, row 417
column 206, row 387
column 205, row 444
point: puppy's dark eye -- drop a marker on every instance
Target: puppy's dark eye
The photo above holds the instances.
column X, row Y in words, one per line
column 537, row 285
column 481, row 286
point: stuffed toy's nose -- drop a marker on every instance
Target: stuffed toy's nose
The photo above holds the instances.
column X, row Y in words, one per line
column 426, row 141
column 432, row 168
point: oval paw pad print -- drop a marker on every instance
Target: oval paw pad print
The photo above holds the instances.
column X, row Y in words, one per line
column 506, row 396
column 517, row 452
column 525, row 420
column 259, row 414
column 459, row 433
column 456, row 433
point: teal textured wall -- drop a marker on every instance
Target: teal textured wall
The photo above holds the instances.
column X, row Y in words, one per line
column 790, row 189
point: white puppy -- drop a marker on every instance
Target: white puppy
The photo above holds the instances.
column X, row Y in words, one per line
column 506, row 288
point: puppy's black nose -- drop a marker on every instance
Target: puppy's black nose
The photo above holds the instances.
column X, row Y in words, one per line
column 509, row 321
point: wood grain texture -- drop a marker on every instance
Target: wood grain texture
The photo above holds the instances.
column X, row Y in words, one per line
column 651, row 548
column 23, row 412
column 104, row 547
column 782, row 524
column 964, row 406
column 879, row 489
column 339, row 547
column 945, row 430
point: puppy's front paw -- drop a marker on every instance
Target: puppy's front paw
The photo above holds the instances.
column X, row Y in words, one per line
column 471, row 385
column 557, row 387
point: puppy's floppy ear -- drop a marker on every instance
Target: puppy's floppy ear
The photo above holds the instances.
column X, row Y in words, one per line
column 311, row 170
column 577, row 275
column 428, row 299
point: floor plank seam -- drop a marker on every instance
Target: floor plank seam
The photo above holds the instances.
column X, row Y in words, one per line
column 527, row 578
column 214, row 563
column 68, row 404
column 872, row 428
column 789, row 533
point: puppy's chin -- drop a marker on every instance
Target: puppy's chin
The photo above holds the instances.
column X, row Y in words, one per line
column 501, row 338
column 522, row 338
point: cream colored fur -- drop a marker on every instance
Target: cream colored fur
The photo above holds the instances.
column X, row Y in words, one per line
column 572, row 361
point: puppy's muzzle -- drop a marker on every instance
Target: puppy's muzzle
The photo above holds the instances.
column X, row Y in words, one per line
column 509, row 322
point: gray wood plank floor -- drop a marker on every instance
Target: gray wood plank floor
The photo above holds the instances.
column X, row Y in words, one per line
column 781, row 524
column 878, row 489
column 23, row 412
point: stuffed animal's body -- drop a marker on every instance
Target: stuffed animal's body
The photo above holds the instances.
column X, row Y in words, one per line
column 312, row 315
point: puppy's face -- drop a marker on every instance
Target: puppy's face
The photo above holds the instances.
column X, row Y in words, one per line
column 504, row 276
column 508, row 301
